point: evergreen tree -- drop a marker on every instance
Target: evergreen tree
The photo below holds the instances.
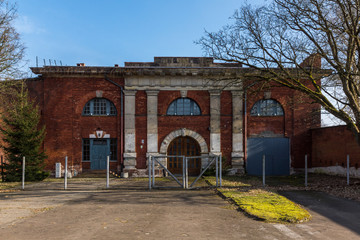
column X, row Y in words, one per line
column 23, row 137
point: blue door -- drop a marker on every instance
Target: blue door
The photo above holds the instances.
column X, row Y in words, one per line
column 277, row 156
column 100, row 149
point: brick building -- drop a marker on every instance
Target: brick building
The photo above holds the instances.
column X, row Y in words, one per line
column 172, row 106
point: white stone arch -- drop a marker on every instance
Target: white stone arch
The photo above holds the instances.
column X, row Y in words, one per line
column 183, row 132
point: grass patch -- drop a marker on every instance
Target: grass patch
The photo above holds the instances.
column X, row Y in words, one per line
column 252, row 198
column 228, row 182
column 9, row 185
column 268, row 206
column 74, row 179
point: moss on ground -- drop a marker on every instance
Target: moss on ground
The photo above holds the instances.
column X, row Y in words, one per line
column 268, row 206
column 229, row 182
column 260, row 202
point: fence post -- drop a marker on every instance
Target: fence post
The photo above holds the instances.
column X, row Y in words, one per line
column 217, row 170
column 2, row 168
column 23, row 174
column 149, row 169
column 348, row 169
column 107, row 171
column 65, row 172
column 306, row 170
column 153, row 172
column 186, row 172
column 220, row 171
column 263, row 168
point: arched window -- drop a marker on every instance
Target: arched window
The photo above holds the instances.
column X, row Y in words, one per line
column 267, row 107
column 183, row 106
column 99, row 107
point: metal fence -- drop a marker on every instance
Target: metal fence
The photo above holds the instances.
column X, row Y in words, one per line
column 215, row 159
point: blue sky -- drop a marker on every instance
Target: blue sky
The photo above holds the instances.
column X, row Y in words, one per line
column 108, row 32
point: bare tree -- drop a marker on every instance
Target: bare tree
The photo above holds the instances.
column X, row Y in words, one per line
column 11, row 51
column 288, row 41
column 11, row 48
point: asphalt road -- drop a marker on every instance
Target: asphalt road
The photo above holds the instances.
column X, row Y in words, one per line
column 129, row 211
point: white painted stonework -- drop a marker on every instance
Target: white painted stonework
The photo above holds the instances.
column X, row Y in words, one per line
column 130, row 142
column 215, row 140
column 99, row 134
column 238, row 142
column 152, row 121
column 215, row 106
column 129, row 136
column 152, row 143
column 183, row 82
column 336, row 170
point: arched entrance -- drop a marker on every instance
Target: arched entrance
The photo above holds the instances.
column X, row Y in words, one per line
column 185, row 146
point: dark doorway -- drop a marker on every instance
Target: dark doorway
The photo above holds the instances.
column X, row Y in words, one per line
column 185, row 146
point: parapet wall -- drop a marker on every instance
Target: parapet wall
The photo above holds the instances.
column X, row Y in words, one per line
column 330, row 147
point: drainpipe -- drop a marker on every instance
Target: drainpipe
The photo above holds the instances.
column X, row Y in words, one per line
column 121, row 121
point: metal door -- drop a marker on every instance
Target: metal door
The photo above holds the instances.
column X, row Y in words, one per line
column 277, row 156
column 99, row 151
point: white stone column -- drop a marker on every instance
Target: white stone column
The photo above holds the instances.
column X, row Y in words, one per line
column 215, row 133
column 152, row 122
column 237, row 155
column 129, row 125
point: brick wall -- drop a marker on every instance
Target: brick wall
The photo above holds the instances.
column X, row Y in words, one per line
column 331, row 145
column 226, row 125
column 141, row 129
column 199, row 124
column 300, row 115
column 62, row 100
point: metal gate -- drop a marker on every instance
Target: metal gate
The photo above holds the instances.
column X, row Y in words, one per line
column 155, row 160
column 277, row 154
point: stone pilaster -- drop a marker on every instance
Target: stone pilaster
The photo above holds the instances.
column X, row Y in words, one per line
column 129, row 122
column 215, row 134
column 152, row 122
column 237, row 155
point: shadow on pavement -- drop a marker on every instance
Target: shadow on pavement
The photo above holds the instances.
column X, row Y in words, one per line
column 339, row 210
column 120, row 191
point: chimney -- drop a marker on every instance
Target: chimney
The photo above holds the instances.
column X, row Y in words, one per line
column 116, row 65
column 312, row 61
column 80, row 64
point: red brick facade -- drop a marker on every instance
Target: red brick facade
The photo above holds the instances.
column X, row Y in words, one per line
column 300, row 115
column 61, row 100
column 62, row 93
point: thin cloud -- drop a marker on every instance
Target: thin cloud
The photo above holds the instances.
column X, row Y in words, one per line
column 24, row 25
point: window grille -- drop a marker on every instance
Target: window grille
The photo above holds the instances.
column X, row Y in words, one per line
column 183, row 107
column 99, row 107
column 267, row 107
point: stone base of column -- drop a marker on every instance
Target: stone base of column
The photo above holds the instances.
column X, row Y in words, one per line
column 237, row 163
column 130, row 160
